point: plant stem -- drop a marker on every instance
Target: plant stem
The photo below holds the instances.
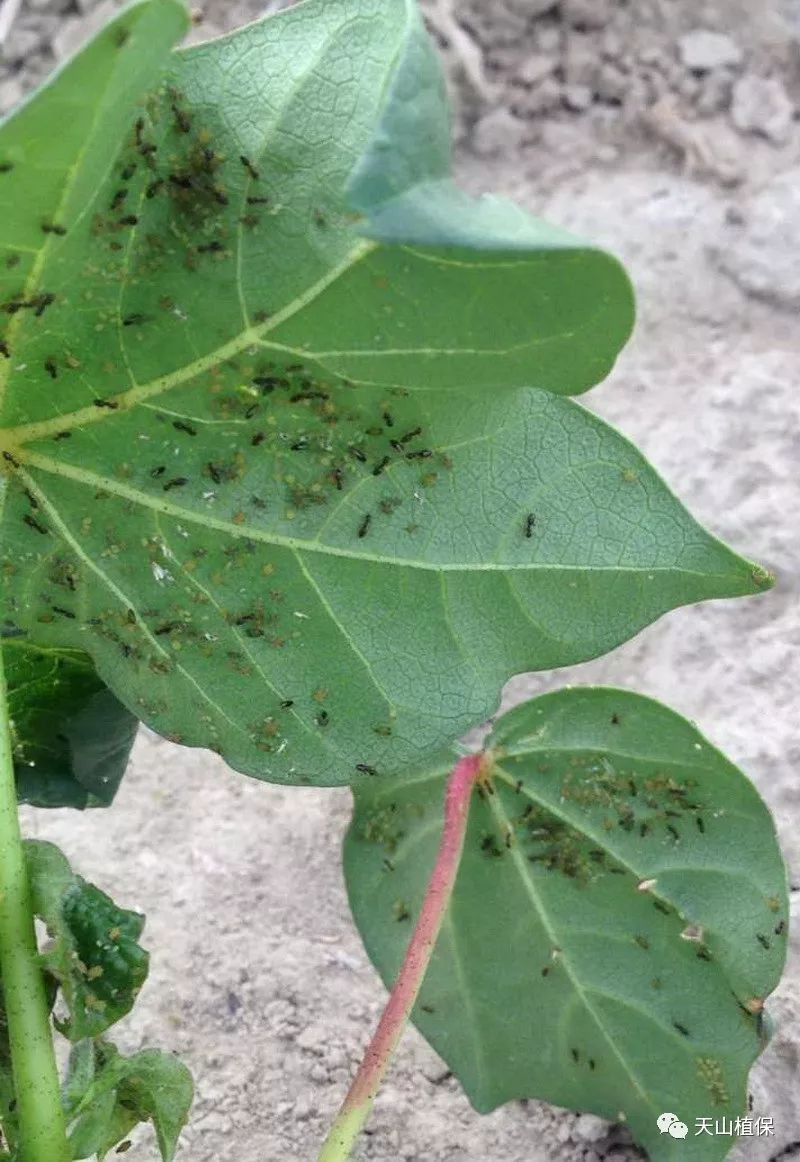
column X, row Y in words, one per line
column 356, row 1107
column 43, row 1135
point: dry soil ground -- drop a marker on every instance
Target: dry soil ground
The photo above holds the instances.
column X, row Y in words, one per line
column 681, row 151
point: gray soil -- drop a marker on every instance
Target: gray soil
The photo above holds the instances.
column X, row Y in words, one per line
column 681, row 152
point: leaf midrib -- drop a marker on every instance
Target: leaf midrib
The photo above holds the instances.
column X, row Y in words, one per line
column 279, row 540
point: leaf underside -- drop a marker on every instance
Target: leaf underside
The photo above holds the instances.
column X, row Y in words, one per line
column 618, row 919
column 237, row 308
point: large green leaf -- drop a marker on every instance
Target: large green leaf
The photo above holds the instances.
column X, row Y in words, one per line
column 71, row 736
column 618, row 919
column 94, row 954
column 230, row 410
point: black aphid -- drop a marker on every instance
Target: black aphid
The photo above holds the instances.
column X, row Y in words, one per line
column 780, row 928
column 423, row 454
column 338, row 478
column 33, row 523
column 41, row 303
column 154, row 187
column 251, row 411
column 673, row 832
column 684, row 1032
column 388, row 420
column 63, row 436
column 268, row 383
column 701, row 827
column 118, row 199
column 134, row 320
column 357, row 454
column 248, row 165
column 412, row 435
column 11, row 459
column 51, row 368
column 255, row 201
column 183, row 426
column 762, row 940
column 210, row 247
column 111, row 404
column 323, row 718
column 366, row 769
column 287, row 704
column 53, row 228
column 158, row 471
column 397, row 446
column 363, row 528
column 176, row 482
column 181, row 120
column 214, row 473
column 64, row 612
column 530, row 523
column 4, row 349
column 129, row 220
column 127, row 173
column 380, row 466
column 258, row 438
column 299, row 445
column 6, row 166
column 575, row 1055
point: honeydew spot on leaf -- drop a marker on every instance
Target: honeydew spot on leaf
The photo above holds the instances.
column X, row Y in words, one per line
column 618, row 920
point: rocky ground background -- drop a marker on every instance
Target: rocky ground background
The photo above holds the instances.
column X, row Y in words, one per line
column 668, row 130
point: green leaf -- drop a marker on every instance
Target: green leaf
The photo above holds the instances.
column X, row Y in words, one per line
column 94, row 955
column 618, row 919
column 275, row 412
column 120, row 1092
column 71, row 736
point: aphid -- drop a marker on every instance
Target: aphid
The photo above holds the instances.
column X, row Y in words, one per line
column 250, row 220
column 251, row 411
column 51, row 368
column 575, row 1055
column 379, row 467
column 159, row 471
column 308, row 395
column 176, row 482
column 183, row 426
column 154, row 188
column 423, row 454
column 4, row 349
column 11, row 459
column 287, row 704
column 546, row 970
column 214, row 473
column 248, row 165
column 684, row 1032
column 63, row 436
column 219, row 196
column 357, row 454
column 701, row 827
column 123, row 1147
column 428, row 1008
column 210, row 248
column 662, row 907
column 338, row 478
column 762, row 940
column 299, row 445
column 6, row 166
column 397, row 446
column 33, row 523
column 267, row 383
column 365, row 769
column 129, row 220
column 643, row 942
column 615, row 720
column 780, row 928
column 258, row 438
column 703, row 953
column 181, row 120
column 410, row 435
column 63, row 612
column 592, row 1064
column 530, row 522
column 323, row 718
column 363, row 528
column 134, row 320
column 673, row 832
column 121, row 38
column 388, row 420
column 111, row 404
column 127, row 173
column 118, row 199
column 255, row 201
column 34, row 503
column 53, row 228
column 41, row 303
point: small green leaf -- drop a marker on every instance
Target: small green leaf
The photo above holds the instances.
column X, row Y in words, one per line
column 71, row 736
column 149, row 1086
column 618, row 920
column 95, row 955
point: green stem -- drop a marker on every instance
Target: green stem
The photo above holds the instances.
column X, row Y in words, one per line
column 42, row 1130
column 338, row 1146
